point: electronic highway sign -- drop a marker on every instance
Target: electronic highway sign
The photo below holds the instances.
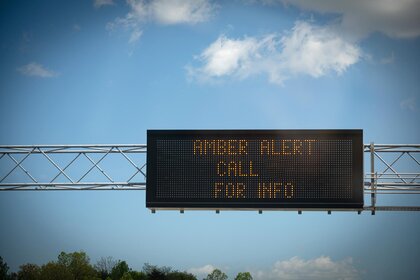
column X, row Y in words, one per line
column 254, row 169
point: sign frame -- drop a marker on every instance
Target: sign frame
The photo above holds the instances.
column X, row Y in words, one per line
column 152, row 202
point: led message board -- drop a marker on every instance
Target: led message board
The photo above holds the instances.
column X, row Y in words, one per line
column 254, row 169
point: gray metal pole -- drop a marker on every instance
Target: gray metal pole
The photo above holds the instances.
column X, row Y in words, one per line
column 372, row 177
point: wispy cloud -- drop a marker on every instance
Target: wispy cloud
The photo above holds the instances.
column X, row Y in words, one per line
column 37, row 70
column 165, row 12
column 202, row 271
column 25, row 41
column 409, row 104
column 180, row 11
column 359, row 18
column 135, row 35
column 76, row 27
column 388, row 60
column 322, row 268
column 99, row 3
column 307, row 49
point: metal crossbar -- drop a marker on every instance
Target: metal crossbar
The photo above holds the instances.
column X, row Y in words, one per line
column 385, row 176
column 54, row 156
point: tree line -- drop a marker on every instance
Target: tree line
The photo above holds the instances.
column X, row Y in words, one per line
column 77, row 266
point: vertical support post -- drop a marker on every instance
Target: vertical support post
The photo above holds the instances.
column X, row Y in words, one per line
column 372, row 177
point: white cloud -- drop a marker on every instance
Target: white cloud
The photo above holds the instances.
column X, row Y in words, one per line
column 135, row 35
column 409, row 104
column 180, row 11
column 202, row 271
column 37, row 70
column 322, row 268
column 317, row 50
column 166, row 12
column 227, row 56
column 306, row 49
column 388, row 60
column 359, row 18
column 99, row 3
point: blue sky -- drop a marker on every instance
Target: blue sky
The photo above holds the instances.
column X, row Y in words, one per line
column 106, row 71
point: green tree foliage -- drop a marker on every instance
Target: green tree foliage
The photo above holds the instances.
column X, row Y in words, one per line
column 165, row 273
column 29, row 272
column 216, row 275
column 156, row 274
column 138, row 275
column 176, row 275
column 104, row 267
column 53, row 271
column 4, row 268
column 148, row 269
column 243, row 276
column 126, row 276
column 79, row 265
column 119, row 270
column 76, row 266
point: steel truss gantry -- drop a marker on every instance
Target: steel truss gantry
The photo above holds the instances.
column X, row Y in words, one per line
column 389, row 180
column 394, row 169
column 60, row 158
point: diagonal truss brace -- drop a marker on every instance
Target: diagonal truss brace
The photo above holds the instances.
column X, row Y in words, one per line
column 389, row 181
column 124, row 150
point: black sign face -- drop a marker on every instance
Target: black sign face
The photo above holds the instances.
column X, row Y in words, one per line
column 254, row 169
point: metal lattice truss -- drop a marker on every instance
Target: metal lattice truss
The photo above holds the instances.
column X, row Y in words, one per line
column 51, row 166
column 394, row 169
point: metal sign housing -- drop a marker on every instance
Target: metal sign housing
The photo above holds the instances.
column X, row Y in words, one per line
column 254, row 169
